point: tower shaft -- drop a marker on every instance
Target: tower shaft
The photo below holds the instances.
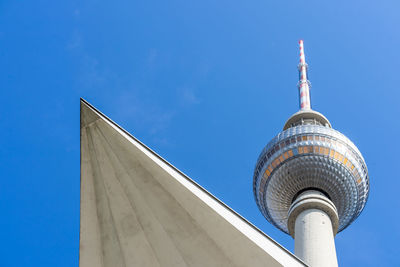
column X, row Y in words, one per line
column 313, row 224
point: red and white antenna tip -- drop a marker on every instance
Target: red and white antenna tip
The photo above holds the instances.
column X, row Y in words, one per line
column 302, row 57
column 304, row 88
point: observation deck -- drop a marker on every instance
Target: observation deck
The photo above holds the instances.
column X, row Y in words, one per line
column 309, row 155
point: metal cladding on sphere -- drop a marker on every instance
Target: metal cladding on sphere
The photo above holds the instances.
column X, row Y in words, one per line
column 309, row 155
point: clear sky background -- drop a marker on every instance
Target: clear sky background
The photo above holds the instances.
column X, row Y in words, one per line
column 206, row 84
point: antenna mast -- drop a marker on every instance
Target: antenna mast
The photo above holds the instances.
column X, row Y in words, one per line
column 304, row 84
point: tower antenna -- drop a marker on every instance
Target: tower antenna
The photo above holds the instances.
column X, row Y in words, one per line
column 304, row 83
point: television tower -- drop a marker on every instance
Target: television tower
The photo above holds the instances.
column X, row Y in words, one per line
column 311, row 181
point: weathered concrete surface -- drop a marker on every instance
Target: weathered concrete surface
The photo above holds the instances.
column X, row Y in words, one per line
column 138, row 210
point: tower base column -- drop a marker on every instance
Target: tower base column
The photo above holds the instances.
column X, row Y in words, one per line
column 313, row 223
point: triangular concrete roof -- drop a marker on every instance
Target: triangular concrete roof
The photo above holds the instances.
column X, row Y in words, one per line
column 139, row 210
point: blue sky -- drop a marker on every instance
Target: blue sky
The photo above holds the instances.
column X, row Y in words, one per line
column 206, row 84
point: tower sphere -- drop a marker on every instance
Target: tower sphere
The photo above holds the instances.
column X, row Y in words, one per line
column 309, row 155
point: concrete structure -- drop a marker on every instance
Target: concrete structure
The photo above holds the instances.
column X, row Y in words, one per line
column 139, row 210
column 313, row 220
column 311, row 181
